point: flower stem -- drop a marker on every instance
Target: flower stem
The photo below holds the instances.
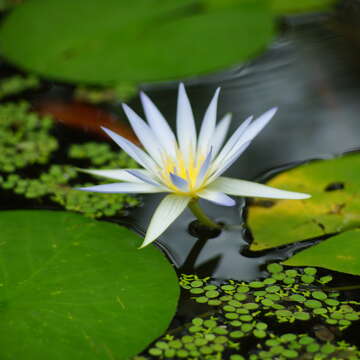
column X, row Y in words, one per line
column 201, row 216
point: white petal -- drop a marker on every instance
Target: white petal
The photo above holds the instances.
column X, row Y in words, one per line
column 204, row 168
column 220, row 133
column 159, row 125
column 230, row 144
column 208, row 125
column 179, row 182
column 143, row 177
column 124, row 188
column 136, row 153
column 168, row 210
column 227, row 162
column 258, row 125
column 247, row 188
column 144, row 133
column 246, row 136
column 185, row 125
column 217, row 197
column 117, row 174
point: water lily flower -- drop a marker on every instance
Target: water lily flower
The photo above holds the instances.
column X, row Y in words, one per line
column 186, row 166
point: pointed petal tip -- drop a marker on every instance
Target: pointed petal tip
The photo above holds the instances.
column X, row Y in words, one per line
column 182, row 89
column 294, row 196
column 125, row 106
column 273, row 110
column 86, row 171
column 145, row 99
column 106, row 130
column 81, row 189
column 245, row 188
column 169, row 209
column 302, row 196
column 143, row 245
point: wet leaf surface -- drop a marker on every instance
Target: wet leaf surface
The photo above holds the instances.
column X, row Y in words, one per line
column 339, row 253
column 334, row 207
column 134, row 42
column 288, row 6
column 76, row 288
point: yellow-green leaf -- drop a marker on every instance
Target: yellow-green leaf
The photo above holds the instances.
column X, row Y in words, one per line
column 334, row 207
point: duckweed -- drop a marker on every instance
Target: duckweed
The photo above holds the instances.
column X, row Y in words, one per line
column 26, row 140
column 17, row 84
column 245, row 313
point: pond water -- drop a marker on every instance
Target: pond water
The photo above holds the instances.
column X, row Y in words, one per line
column 311, row 72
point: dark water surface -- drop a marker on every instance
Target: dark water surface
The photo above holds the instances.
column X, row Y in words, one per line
column 312, row 73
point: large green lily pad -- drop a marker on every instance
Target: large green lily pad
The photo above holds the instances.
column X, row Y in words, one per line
column 339, row 253
column 301, row 6
column 334, row 207
column 117, row 41
column 74, row 288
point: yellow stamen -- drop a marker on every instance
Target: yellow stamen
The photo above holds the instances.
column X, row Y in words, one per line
column 188, row 170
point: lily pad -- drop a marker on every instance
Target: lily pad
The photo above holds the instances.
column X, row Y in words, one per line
column 117, row 41
column 339, row 253
column 334, row 207
column 301, row 6
column 75, row 288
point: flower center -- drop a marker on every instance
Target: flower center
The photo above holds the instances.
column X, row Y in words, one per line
column 187, row 169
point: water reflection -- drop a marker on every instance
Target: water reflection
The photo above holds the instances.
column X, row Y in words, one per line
column 218, row 255
column 312, row 75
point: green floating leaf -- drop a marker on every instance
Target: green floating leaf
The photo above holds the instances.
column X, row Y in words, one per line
column 74, row 288
column 339, row 253
column 143, row 40
column 301, row 6
column 334, row 206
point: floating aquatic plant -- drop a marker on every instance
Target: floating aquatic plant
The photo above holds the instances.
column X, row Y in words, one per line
column 293, row 346
column 186, row 166
column 16, row 84
column 96, row 95
column 25, row 139
column 242, row 313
